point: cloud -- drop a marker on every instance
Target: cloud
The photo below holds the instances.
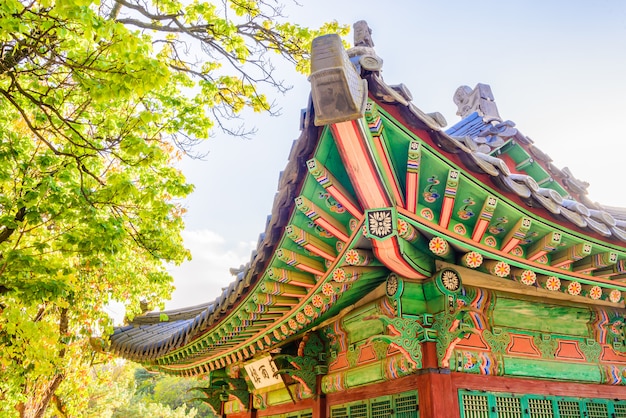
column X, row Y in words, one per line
column 202, row 279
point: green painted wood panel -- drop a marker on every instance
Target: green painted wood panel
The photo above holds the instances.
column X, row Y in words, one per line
column 515, row 366
column 533, row 316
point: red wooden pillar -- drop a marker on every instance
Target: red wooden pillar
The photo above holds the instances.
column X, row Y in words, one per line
column 437, row 395
column 319, row 406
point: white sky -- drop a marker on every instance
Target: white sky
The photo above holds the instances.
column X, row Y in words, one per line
column 557, row 69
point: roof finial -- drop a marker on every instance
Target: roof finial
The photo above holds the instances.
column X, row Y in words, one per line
column 362, row 34
column 479, row 100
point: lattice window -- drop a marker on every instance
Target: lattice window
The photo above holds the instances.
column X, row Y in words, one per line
column 406, row 405
column 568, row 409
column 381, row 408
column 358, row 411
column 339, row 412
column 307, row 415
column 475, row 406
column 620, row 410
column 507, row 407
column 540, row 408
column 597, row 410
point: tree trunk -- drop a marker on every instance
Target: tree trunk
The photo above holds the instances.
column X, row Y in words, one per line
column 39, row 399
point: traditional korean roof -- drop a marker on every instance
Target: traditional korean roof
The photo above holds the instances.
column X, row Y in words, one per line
column 375, row 186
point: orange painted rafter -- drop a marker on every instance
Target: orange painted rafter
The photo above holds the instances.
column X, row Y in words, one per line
column 516, row 234
column 543, row 245
column 616, row 269
column 311, row 243
column 300, row 262
column 321, row 218
column 449, row 195
column 569, row 255
column 351, row 140
column 389, row 252
column 487, row 249
column 378, row 138
column 292, row 277
column 332, row 186
column 486, row 213
column 594, row 262
column 412, row 175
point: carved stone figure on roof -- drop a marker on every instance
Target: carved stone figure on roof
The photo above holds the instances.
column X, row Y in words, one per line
column 480, row 100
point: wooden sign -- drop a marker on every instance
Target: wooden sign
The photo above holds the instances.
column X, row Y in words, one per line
column 262, row 373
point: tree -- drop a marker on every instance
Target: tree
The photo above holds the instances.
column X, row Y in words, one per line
column 97, row 102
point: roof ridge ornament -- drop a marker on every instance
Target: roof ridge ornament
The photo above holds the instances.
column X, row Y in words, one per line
column 339, row 94
column 479, row 100
column 362, row 54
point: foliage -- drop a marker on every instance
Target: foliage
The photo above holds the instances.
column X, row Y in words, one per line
column 97, row 101
column 122, row 389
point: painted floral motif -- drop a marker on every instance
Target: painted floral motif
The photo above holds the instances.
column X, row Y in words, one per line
column 309, row 311
column 403, row 227
column 339, row 246
column 542, row 260
column 352, row 257
column 331, row 203
column 301, row 318
column 406, row 231
column 498, row 227
column 267, row 339
column 438, row 246
column 574, row 288
column 595, row 292
column 319, row 230
column 430, row 193
column 284, row 329
column 529, row 237
column 317, row 301
column 528, row 277
column 501, row 269
column 339, row 275
column 517, row 251
column 328, row 289
column 466, row 212
column 353, row 224
column 379, row 222
column 490, row 241
column 553, row 283
column 278, row 335
column 460, row 229
column 470, row 361
column 427, row 214
column 450, row 280
column 293, row 324
column 473, row 259
column 615, row 296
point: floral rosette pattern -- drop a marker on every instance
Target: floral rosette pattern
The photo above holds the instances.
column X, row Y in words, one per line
column 574, row 288
column 502, row 269
column 293, row 324
column 438, row 246
column 317, row 301
column 339, row 275
column 595, row 292
column 472, row 260
column 615, row 296
column 528, row 277
column 553, row 283
column 328, row 289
